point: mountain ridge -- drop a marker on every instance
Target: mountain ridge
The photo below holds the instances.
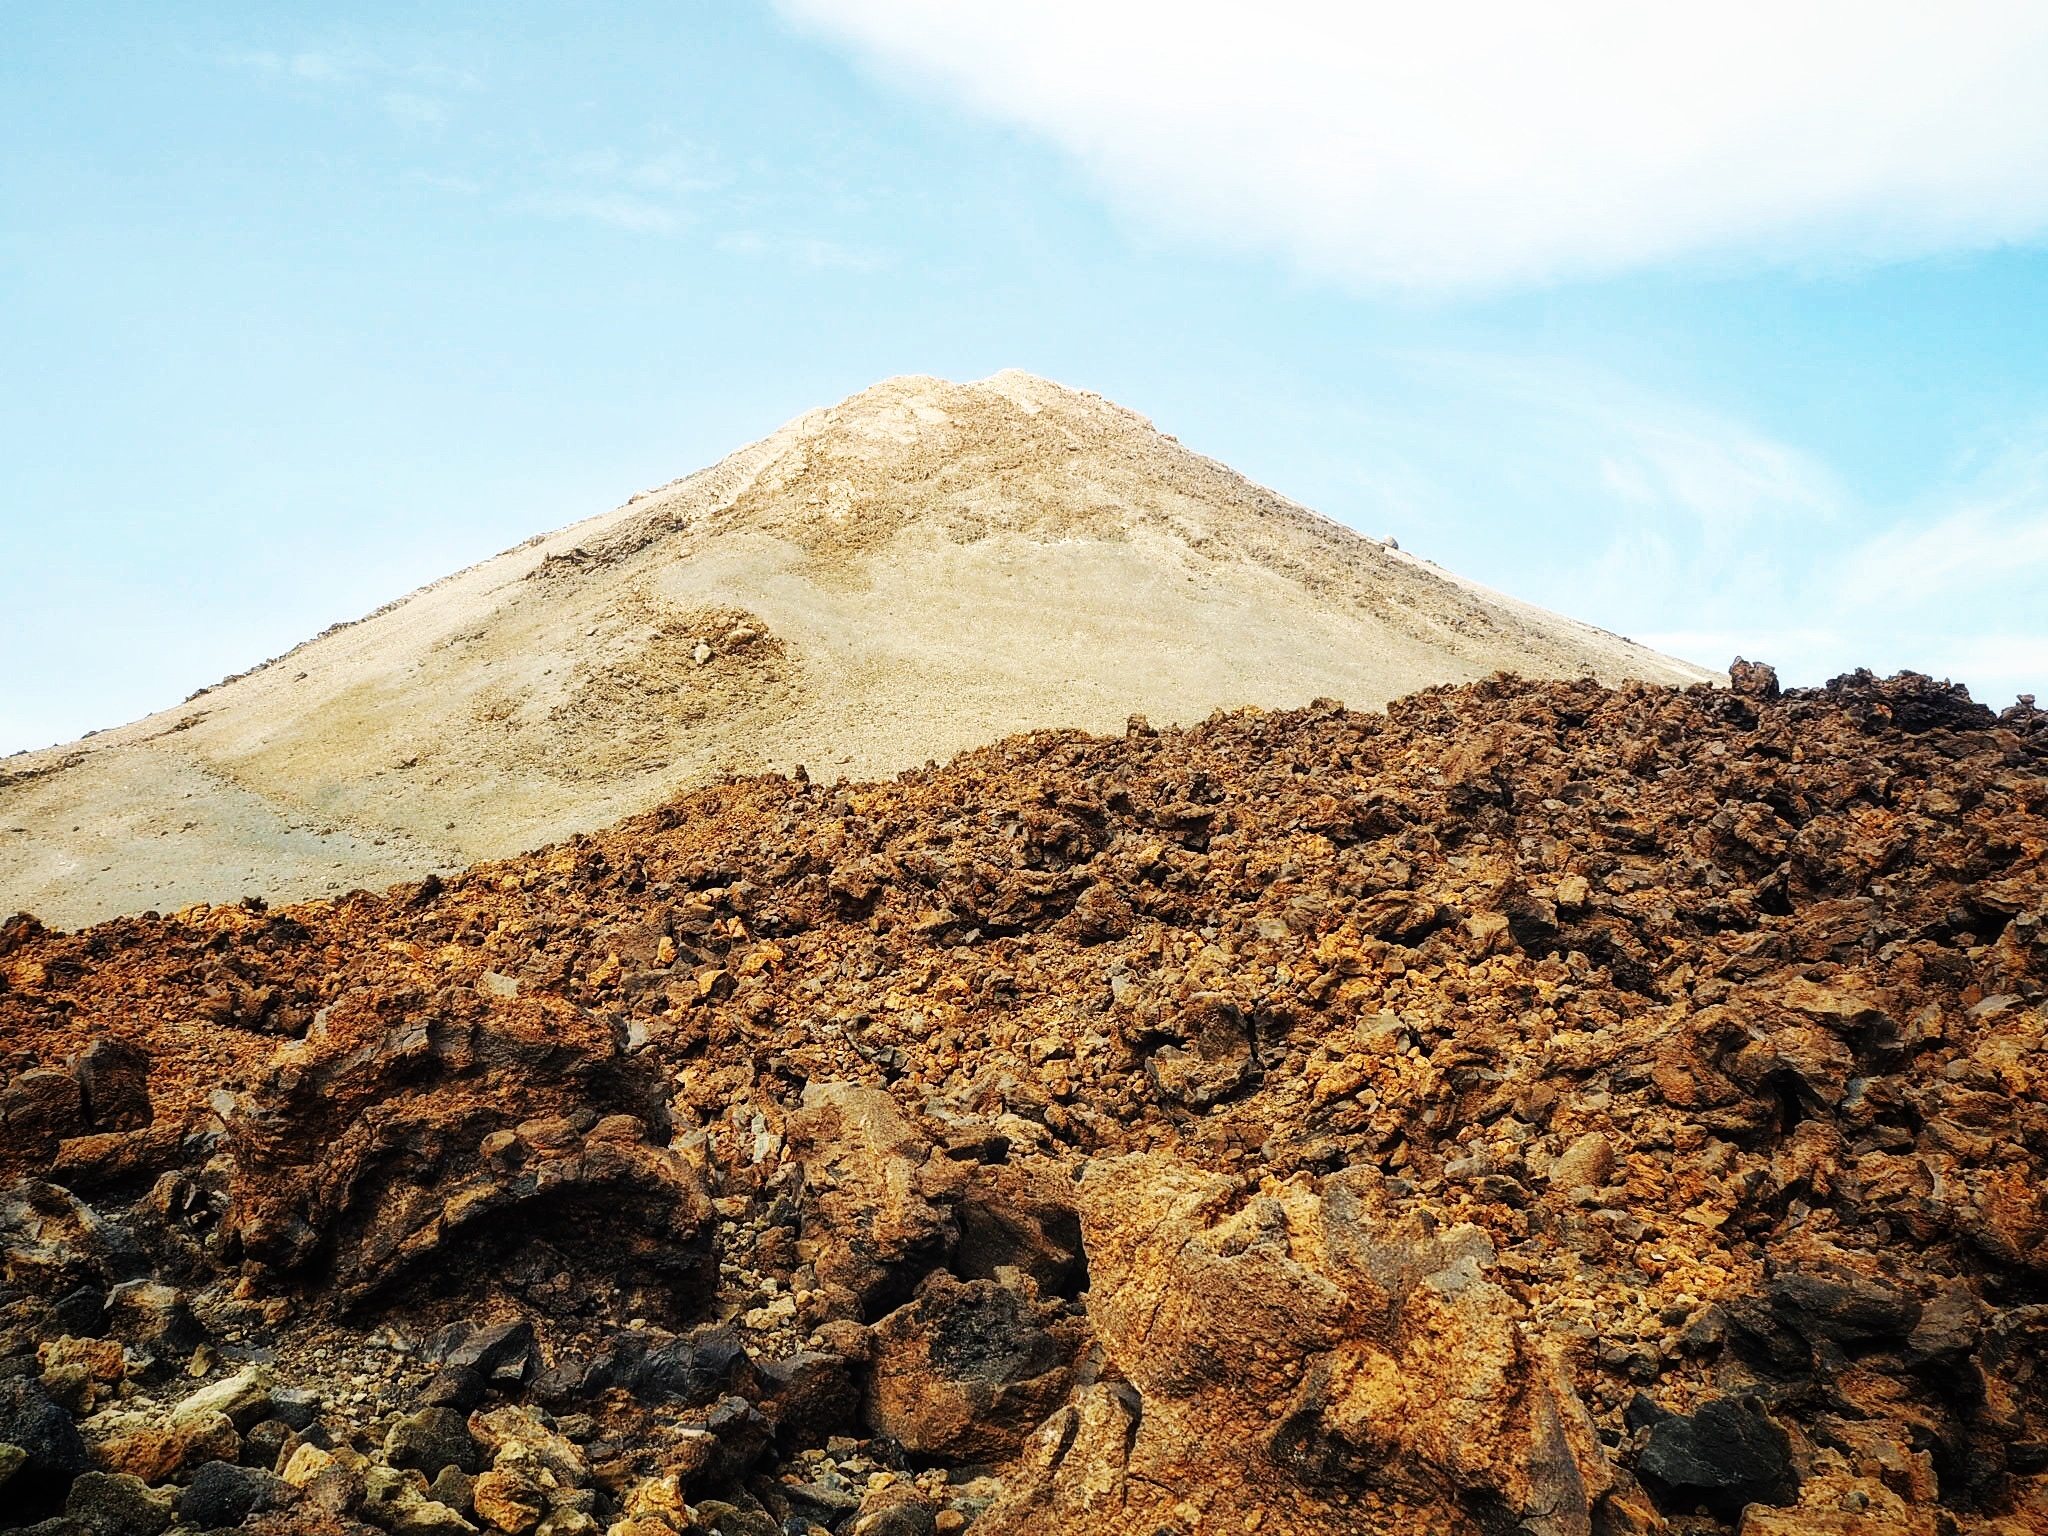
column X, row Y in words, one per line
column 924, row 567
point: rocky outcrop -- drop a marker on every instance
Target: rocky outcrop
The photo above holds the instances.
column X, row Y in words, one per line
column 1280, row 1352
column 1538, row 1110
column 453, row 1137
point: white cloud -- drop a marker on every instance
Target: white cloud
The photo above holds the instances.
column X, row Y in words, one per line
column 1475, row 144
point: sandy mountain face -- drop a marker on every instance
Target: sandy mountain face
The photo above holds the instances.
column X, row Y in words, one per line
column 925, row 567
column 1538, row 1110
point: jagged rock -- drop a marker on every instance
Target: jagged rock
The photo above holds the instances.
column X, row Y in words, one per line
column 453, row 1131
column 898, row 1509
column 154, row 1452
column 501, row 1354
column 1727, row 1454
column 264, row 1444
column 70, row 1388
column 221, row 1494
column 112, row 1504
column 1019, row 1214
column 243, row 1399
column 696, row 1370
column 83, row 1312
column 509, row 1500
column 102, row 1359
column 153, row 1317
column 454, row 1488
column 813, row 1394
column 1587, row 1163
column 431, row 1439
column 967, row 1369
column 1392, row 1359
column 52, row 1242
column 871, row 1222
column 38, row 1109
column 113, row 1082
column 515, row 1434
column 296, row 1406
column 52, row 1451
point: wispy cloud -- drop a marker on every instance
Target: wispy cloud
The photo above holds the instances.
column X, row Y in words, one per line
column 801, row 251
column 414, row 94
column 647, row 194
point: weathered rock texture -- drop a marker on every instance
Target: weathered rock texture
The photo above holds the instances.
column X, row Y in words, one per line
column 1537, row 1109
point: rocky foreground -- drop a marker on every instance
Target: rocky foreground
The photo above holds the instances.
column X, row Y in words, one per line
column 1538, row 1109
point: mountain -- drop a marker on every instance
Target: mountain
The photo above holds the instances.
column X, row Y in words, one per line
column 923, row 568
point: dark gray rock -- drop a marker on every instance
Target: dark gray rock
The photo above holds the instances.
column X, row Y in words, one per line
column 296, row 1406
column 153, row 1317
column 503, row 1354
column 115, row 1504
column 55, row 1453
column 443, row 1341
column 263, row 1442
column 223, row 1494
column 696, row 1370
column 455, row 1488
column 1727, row 1454
column 743, row 1436
column 814, row 1395
column 452, row 1389
column 431, row 1439
column 1829, row 1302
column 82, row 1313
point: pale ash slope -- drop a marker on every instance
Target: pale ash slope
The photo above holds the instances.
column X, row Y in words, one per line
column 922, row 568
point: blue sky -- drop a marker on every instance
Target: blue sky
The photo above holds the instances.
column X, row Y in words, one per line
column 305, row 306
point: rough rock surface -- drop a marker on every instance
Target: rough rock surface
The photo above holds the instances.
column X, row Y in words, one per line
column 1539, row 1108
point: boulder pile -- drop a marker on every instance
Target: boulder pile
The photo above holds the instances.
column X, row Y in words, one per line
column 1540, row 1108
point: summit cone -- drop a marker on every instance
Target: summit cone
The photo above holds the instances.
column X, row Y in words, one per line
column 922, row 568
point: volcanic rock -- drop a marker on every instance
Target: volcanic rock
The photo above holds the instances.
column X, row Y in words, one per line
column 1629, row 1116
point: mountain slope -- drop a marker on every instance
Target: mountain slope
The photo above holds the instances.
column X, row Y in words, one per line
column 924, row 567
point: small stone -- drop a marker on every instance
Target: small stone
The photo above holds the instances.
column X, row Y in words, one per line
column 305, row 1464
column 1573, row 892
column 113, row 1504
column 1586, row 1163
column 431, row 1439
column 509, row 1500
column 70, row 1388
column 243, row 1399
column 455, row 1488
column 295, row 1405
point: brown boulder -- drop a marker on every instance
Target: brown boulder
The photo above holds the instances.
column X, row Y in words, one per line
column 1277, row 1346
column 968, row 1369
column 874, row 1221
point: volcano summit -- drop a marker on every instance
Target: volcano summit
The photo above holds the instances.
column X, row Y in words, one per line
column 923, row 568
